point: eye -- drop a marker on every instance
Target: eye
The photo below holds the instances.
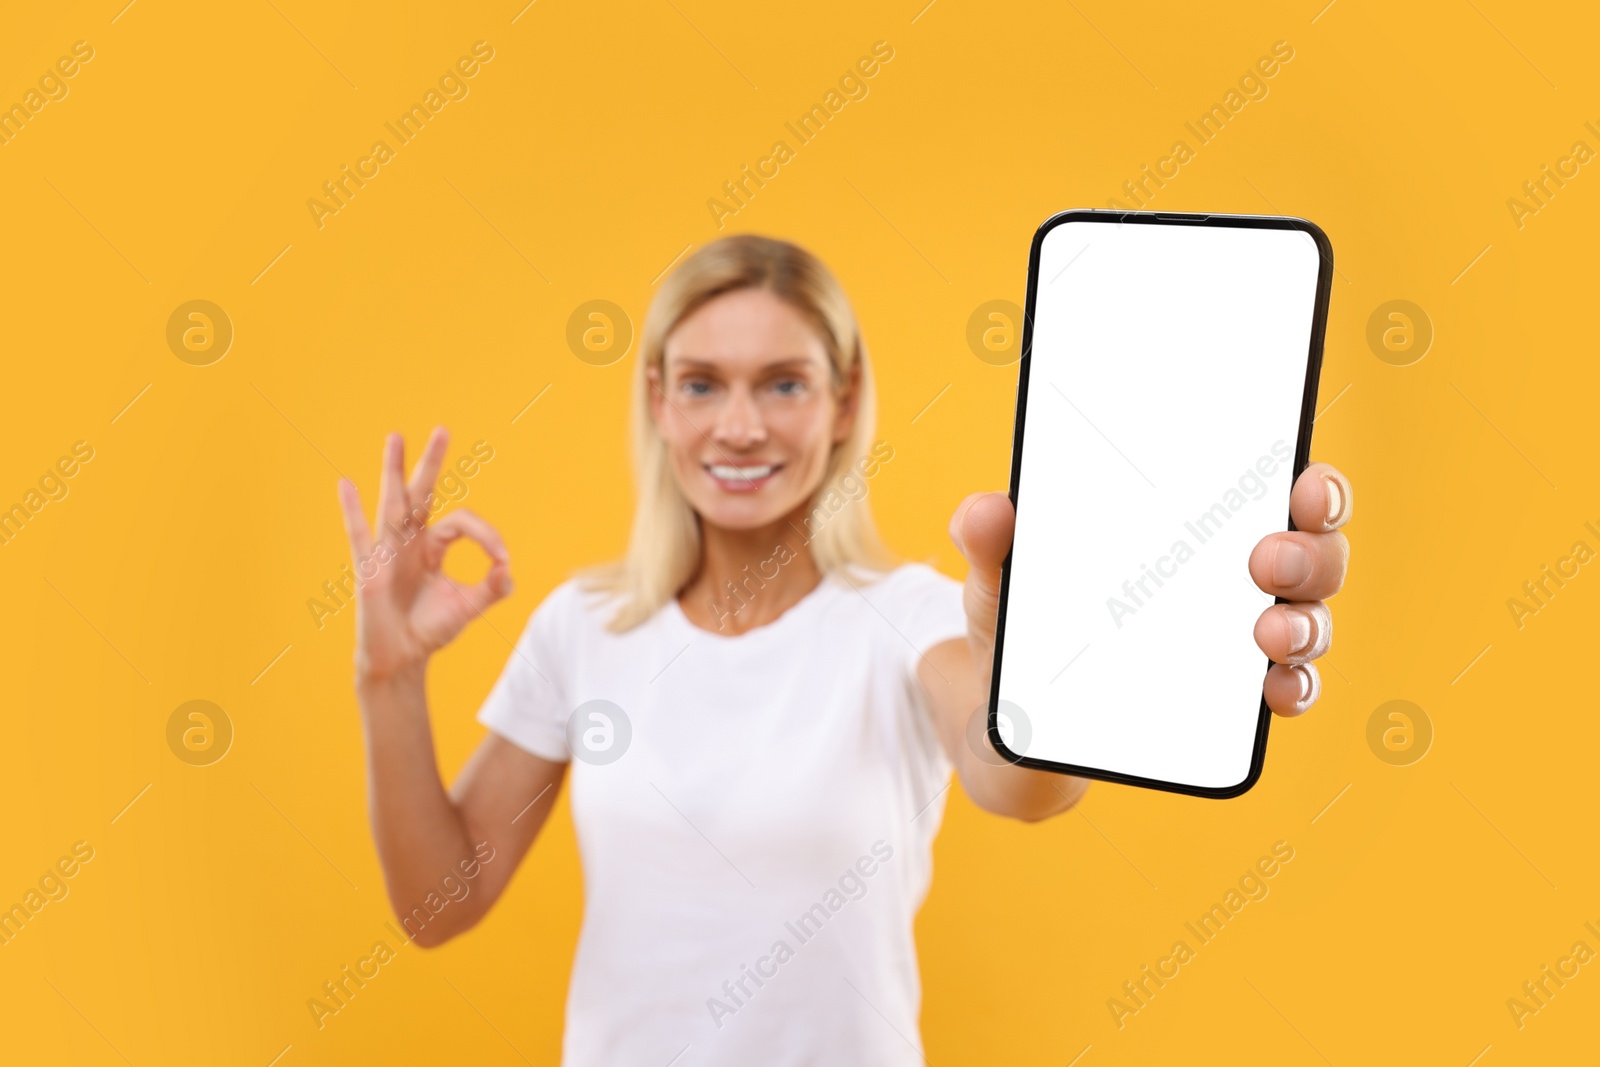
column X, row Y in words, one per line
column 789, row 386
column 695, row 387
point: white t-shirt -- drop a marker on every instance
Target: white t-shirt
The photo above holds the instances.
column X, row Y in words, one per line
column 755, row 856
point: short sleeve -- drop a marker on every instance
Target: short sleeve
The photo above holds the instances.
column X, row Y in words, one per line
column 925, row 609
column 528, row 704
column 923, row 605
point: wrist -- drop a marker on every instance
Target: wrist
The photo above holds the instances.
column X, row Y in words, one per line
column 387, row 678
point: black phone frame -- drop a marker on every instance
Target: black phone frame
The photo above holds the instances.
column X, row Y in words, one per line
column 1302, row 456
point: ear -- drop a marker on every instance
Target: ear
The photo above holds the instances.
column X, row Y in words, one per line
column 653, row 391
column 848, row 404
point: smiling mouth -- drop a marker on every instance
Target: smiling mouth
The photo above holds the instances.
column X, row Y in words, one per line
column 745, row 479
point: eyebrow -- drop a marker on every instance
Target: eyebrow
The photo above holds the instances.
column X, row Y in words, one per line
column 788, row 362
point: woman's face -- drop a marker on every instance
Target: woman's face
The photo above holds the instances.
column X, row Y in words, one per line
column 746, row 405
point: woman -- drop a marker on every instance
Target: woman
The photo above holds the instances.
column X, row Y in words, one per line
column 764, row 711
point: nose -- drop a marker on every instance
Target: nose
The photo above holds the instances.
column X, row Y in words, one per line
column 738, row 422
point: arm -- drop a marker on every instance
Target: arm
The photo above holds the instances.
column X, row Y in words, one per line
column 1304, row 566
column 406, row 611
column 956, row 675
column 423, row 833
column 957, row 682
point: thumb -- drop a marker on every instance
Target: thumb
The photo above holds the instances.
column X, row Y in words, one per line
column 981, row 528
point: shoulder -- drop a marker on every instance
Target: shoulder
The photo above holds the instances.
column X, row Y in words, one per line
column 573, row 608
column 907, row 583
column 921, row 604
column 575, row 596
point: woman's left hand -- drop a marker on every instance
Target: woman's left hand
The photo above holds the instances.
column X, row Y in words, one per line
column 1304, row 566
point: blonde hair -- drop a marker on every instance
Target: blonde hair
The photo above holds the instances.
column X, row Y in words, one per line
column 664, row 549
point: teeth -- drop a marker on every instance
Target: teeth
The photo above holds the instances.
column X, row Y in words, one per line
column 732, row 474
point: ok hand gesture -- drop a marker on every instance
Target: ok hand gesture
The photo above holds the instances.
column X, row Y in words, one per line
column 406, row 608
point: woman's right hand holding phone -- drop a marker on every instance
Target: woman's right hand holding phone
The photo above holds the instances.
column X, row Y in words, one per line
column 406, row 607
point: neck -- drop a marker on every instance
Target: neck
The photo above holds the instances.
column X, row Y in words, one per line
column 747, row 578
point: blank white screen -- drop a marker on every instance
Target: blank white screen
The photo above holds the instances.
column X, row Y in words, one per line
column 1167, row 374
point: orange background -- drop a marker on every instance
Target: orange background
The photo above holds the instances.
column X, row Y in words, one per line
column 178, row 567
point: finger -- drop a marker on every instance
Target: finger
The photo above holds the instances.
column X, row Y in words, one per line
column 392, row 500
column 463, row 523
column 959, row 517
column 982, row 527
column 1300, row 566
column 1291, row 690
column 426, row 473
column 1320, row 500
column 355, row 523
column 1295, row 633
column 480, row 596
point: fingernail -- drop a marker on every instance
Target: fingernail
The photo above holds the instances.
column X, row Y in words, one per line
column 1335, row 500
column 1291, row 564
column 1310, row 687
column 1301, row 630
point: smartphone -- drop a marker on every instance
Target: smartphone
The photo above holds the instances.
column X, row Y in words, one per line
column 1167, row 388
